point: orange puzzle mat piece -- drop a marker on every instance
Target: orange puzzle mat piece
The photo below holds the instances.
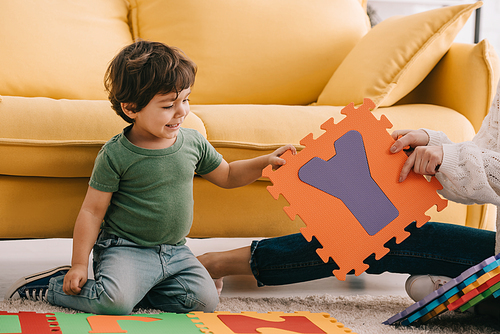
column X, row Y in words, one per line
column 267, row 323
column 344, row 186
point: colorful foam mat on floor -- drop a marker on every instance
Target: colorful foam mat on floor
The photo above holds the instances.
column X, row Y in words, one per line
column 171, row 323
column 461, row 293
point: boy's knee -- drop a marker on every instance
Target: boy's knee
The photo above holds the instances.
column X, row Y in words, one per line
column 119, row 305
column 210, row 303
column 114, row 309
column 205, row 301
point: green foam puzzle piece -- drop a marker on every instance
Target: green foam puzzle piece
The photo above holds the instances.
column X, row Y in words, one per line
column 169, row 323
column 10, row 324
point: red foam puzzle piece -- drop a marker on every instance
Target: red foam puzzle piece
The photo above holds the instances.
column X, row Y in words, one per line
column 267, row 323
column 36, row 323
column 241, row 324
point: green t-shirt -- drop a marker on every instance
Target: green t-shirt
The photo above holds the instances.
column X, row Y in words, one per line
column 152, row 200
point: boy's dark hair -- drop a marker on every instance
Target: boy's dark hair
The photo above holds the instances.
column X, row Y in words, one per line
column 142, row 70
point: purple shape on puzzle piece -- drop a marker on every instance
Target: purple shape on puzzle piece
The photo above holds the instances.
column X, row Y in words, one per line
column 448, row 286
column 346, row 176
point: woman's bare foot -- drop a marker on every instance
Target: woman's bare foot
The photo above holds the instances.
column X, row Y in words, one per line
column 232, row 262
column 219, row 284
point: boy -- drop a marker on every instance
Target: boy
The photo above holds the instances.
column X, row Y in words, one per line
column 139, row 204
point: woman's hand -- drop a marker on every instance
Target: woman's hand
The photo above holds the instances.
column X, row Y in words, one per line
column 424, row 160
column 408, row 138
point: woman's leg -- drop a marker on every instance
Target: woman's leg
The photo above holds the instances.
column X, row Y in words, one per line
column 435, row 248
column 227, row 263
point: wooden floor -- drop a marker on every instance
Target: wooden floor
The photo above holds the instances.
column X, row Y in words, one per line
column 24, row 257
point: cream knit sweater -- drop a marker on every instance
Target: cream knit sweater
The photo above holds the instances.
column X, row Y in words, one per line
column 470, row 171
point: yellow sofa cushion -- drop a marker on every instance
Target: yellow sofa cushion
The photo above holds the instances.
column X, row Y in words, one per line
column 395, row 56
column 244, row 131
column 465, row 79
column 255, row 51
column 58, row 138
column 59, row 48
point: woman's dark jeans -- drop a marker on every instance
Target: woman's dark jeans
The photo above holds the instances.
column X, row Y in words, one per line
column 435, row 249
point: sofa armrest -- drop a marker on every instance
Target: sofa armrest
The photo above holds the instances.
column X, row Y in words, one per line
column 465, row 80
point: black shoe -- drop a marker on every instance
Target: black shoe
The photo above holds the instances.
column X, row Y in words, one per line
column 36, row 286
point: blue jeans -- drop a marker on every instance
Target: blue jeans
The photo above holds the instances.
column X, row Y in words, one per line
column 127, row 275
column 435, row 248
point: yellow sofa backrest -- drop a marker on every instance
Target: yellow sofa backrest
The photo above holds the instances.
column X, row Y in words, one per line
column 59, row 48
column 255, row 51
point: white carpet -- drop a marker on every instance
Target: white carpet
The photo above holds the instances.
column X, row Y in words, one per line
column 361, row 314
column 365, row 314
column 380, row 296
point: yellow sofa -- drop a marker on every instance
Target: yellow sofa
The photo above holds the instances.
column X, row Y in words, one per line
column 270, row 72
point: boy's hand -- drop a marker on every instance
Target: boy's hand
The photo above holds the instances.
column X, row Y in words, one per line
column 75, row 279
column 242, row 172
column 274, row 158
column 424, row 160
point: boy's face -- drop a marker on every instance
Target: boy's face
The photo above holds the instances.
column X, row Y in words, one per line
column 158, row 123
